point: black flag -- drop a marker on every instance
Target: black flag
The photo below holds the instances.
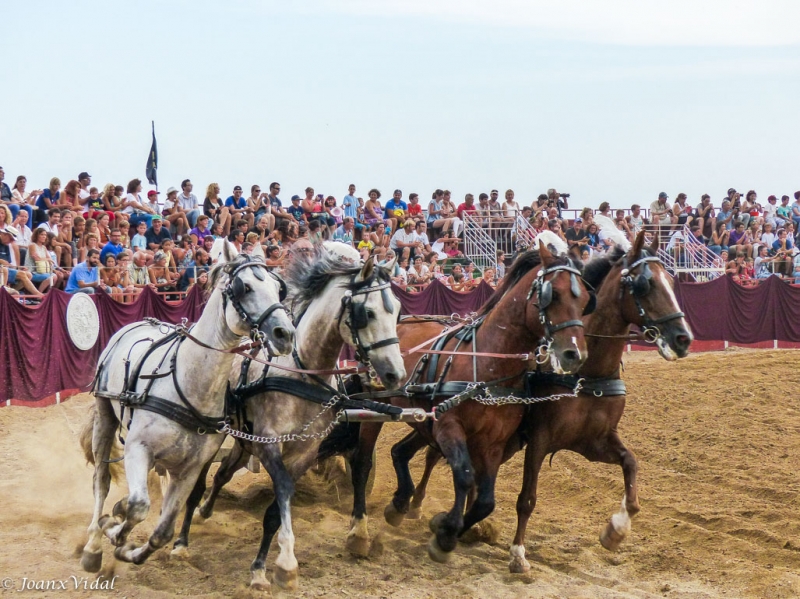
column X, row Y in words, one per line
column 152, row 161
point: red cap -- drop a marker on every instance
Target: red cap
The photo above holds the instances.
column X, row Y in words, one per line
column 152, row 193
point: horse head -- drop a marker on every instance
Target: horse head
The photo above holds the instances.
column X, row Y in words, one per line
column 648, row 300
column 370, row 312
column 252, row 297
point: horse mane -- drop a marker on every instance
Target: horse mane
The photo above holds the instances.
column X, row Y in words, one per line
column 307, row 277
column 524, row 263
column 222, row 268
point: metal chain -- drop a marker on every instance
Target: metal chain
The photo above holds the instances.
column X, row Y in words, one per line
column 491, row 400
column 288, row 437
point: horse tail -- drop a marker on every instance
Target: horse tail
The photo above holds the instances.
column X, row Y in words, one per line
column 342, row 440
column 86, row 444
column 552, row 455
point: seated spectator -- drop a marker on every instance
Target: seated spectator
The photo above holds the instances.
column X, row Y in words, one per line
column 174, row 214
column 467, row 207
column 457, row 281
column 15, row 276
column 138, row 272
column 296, row 211
column 396, row 210
column 156, row 234
column 25, row 234
column 421, row 235
column 636, row 220
column 501, row 264
column 214, row 208
column 768, row 237
column 160, row 275
column 85, row 277
column 129, row 291
column 740, row 240
column 419, row 276
column 103, row 227
column 109, row 275
column 91, row 241
column 49, row 198
column 238, row 207
column 472, row 275
column 43, row 268
column 576, row 237
column 201, row 231
column 114, row 205
column 124, row 234
column 404, row 242
column 22, row 200
column 415, row 208
column 139, row 241
column 345, row 232
column 262, row 230
column 661, row 211
column 737, row 269
column 489, row 277
column 193, row 270
column 276, row 257
column 113, row 247
column 782, row 247
column 720, row 239
column 593, row 238
column 796, row 209
column 783, row 213
column 762, row 263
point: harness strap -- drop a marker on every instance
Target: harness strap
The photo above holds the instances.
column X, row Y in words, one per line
column 565, row 325
column 599, row 387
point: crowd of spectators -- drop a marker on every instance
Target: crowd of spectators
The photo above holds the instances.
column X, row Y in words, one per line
column 119, row 240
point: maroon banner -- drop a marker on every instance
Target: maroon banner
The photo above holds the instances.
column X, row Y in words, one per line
column 37, row 357
column 437, row 299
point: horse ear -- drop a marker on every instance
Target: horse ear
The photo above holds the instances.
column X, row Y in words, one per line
column 545, row 254
column 656, row 241
column 638, row 244
column 367, row 270
column 389, row 266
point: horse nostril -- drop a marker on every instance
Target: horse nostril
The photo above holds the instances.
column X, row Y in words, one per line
column 571, row 355
column 390, row 378
column 683, row 341
column 280, row 333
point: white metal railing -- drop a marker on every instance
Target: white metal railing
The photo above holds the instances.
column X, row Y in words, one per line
column 682, row 252
column 479, row 246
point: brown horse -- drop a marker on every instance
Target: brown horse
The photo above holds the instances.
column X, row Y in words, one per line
column 632, row 288
column 541, row 297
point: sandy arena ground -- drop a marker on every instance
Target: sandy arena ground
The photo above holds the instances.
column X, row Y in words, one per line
column 718, row 442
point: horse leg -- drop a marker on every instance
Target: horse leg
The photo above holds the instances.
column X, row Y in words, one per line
column 526, row 501
column 138, row 462
column 482, row 502
column 230, row 465
column 432, row 457
column 178, row 491
column 620, row 524
column 402, row 452
column 181, row 545
column 357, row 540
column 454, row 448
column 105, row 423
column 277, row 518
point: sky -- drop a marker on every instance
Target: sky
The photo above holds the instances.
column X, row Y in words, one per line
column 609, row 101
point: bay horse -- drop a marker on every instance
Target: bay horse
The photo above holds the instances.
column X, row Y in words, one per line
column 174, row 379
column 335, row 303
column 541, row 298
column 632, row 288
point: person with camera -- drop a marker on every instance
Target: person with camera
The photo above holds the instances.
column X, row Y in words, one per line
column 557, row 200
column 762, row 263
column 726, row 215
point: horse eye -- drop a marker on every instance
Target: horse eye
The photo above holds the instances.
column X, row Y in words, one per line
column 247, row 288
column 371, row 314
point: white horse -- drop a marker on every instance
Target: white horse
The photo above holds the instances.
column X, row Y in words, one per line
column 335, row 302
column 184, row 381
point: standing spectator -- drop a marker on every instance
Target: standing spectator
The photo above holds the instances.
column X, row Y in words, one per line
column 189, row 203
column 23, row 200
column 771, row 211
column 85, row 277
column 237, row 206
column 156, row 234
column 510, row 207
column 49, row 198
column 350, row 204
column 173, row 212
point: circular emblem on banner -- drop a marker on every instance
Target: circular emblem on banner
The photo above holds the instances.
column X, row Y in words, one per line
column 83, row 321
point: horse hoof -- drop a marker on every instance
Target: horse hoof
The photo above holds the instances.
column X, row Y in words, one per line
column 610, row 539
column 120, row 510
column 179, row 552
column 415, row 513
column 357, row 546
column 258, row 581
column 106, row 521
column 392, row 516
column 436, row 521
column 519, row 566
column 205, row 513
column 436, row 553
column 92, row 562
column 123, row 553
column 482, row 532
column 286, row 579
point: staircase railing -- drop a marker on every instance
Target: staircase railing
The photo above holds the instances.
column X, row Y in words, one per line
column 478, row 244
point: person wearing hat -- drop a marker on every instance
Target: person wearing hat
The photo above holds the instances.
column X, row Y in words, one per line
column 661, row 211
column 174, row 213
column 296, row 210
column 576, row 237
column 14, row 276
column 156, row 234
column 404, row 240
column 239, row 208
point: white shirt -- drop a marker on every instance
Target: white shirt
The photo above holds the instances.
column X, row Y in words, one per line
column 402, row 237
column 188, row 203
column 25, row 235
column 48, row 228
column 770, row 210
column 768, row 239
column 131, row 197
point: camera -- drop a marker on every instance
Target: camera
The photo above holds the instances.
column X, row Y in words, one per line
column 563, row 195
